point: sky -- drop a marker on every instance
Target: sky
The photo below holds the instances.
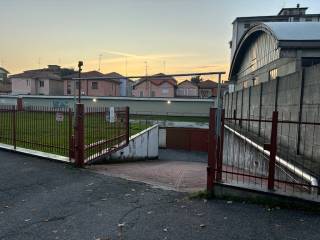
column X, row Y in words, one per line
column 170, row 36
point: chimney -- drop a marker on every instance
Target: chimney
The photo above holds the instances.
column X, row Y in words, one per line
column 298, row 5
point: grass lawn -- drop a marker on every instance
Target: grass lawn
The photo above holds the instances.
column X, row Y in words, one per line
column 40, row 130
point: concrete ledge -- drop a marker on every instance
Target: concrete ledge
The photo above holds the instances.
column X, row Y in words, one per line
column 227, row 191
column 35, row 153
column 142, row 146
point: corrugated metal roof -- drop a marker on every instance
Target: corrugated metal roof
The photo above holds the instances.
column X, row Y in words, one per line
column 295, row 31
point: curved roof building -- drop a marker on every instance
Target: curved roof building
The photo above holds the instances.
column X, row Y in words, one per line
column 274, row 49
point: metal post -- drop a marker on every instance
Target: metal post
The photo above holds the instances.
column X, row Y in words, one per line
column 79, row 136
column 212, row 156
column 273, row 150
column 19, row 104
column 80, row 64
column 220, row 149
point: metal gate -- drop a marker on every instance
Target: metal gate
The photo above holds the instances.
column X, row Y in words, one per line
column 82, row 137
column 190, row 139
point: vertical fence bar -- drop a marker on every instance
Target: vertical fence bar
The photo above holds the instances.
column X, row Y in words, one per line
column 273, row 150
column 212, row 156
column 127, row 125
column 71, row 137
column 79, row 135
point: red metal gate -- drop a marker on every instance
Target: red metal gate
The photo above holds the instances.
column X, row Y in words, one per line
column 190, row 139
column 90, row 134
column 259, row 154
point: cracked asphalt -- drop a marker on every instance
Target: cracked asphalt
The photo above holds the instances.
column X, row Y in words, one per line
column 40, row 199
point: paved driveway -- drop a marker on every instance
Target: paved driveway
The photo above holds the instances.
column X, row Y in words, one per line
column 40, row 199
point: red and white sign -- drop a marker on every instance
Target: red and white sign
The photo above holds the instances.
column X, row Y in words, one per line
column 59, row 116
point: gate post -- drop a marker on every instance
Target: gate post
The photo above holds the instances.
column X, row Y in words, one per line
column 273, row 150
column 79, row 135
column 220, row 148
column 19, row 104
column 212, row 153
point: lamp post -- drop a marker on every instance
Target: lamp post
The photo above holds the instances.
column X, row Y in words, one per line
column 80, row 64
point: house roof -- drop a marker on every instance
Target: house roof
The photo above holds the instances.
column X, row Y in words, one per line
column 187, row 81
column 158, row 79
column 114, row 74
column 90, row 74
column 208, row 84
column 4, row 70
column 37, row 74
column 96, row 76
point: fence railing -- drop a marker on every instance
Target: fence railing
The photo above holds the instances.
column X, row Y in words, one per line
column 37, row 128
column 263, row 159
column 84, row 136
column 106, row 130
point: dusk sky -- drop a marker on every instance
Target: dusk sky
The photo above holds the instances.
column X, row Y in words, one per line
column 188, row 35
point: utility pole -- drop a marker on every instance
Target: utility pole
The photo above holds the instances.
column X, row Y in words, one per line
column 80, row 64
column 126, row 65
column 100, row 56
column 218, row 106
column 147, row 81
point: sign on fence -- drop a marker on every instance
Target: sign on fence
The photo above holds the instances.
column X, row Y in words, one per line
column 111, row 115
column 59, row 117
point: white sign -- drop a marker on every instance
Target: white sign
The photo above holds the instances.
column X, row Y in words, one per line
column 112, row 115
column 59, row 117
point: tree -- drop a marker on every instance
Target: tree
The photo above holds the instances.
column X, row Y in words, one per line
column 196, row 79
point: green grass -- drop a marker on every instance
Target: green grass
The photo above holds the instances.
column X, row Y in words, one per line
column 40, row 131
column 170, row 118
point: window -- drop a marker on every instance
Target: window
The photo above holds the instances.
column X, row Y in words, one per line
column 273, row 74
column 165, row 91
column 41, row 84
column 28, row 82
column 94, row 85
column 308, row 19
column 68, row 91
column 141, row 94
column 296, row 19
column 153, row 94
column 247, row 25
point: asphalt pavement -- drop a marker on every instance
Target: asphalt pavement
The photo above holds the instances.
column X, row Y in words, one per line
column 41, row 199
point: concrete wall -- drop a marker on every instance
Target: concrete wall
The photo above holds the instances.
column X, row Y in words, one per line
column 148, row 106
column 144, row 145
column 296, row 97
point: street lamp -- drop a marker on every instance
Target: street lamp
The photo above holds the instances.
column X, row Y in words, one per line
column 80, row 64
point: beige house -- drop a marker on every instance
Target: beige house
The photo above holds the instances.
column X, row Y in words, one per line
column 5, row 84
column 187, row 89
column 158, row 85
column 98, row 87
column 37, row 82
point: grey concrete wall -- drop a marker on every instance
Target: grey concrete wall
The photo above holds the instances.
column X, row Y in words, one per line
column 296, row 97
column 148, row 106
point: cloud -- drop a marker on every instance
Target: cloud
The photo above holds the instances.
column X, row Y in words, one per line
column 148, row 56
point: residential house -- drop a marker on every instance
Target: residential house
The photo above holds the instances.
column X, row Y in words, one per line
column 187, row 89
column 158, row 85
column 126, row 84
column 5, row 84
column 37, row 82
column 209, row 89
column 99, row 87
